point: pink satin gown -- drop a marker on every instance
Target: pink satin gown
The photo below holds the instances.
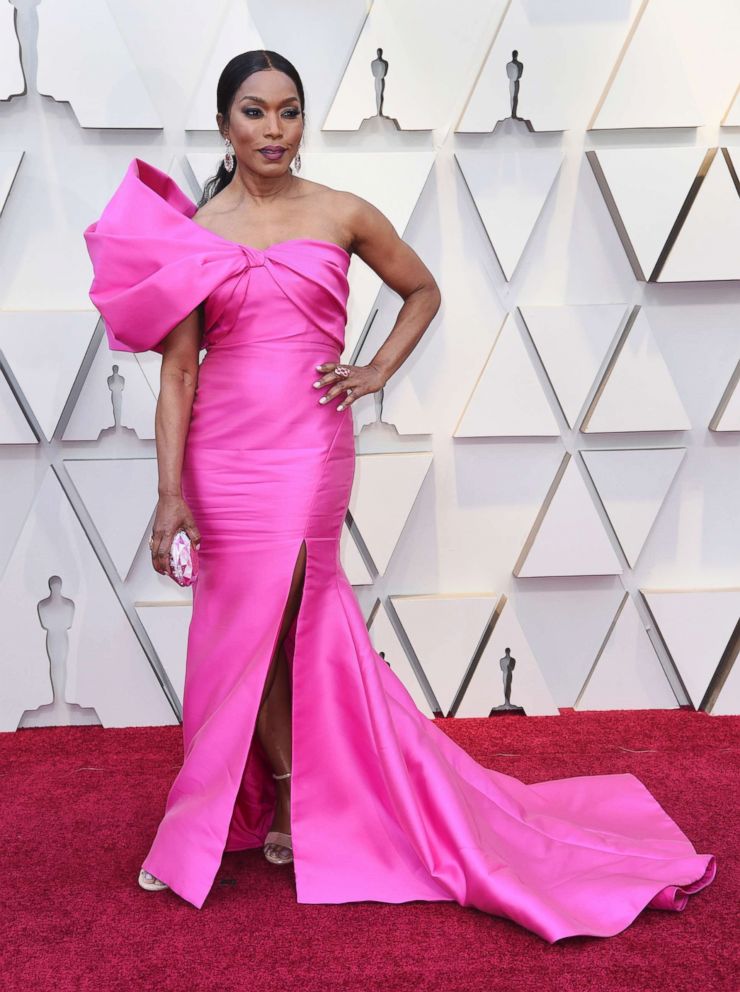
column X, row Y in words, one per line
column 385, row 806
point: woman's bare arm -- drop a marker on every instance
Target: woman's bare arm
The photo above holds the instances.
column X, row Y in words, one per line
column 178, row 382
column 376, row 242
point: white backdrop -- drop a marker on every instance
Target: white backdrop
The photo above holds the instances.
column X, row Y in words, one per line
column 554, row 470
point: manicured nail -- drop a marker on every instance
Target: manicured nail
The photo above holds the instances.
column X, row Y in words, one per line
column 317, row 384
column 323, row 399
column 341, row 406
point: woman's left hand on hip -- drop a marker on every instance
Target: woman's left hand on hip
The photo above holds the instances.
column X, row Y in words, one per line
column 361, row 380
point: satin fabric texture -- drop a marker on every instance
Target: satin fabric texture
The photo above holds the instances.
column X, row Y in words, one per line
column 384, row 806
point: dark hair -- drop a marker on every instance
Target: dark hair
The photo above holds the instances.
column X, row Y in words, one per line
column 233, row 75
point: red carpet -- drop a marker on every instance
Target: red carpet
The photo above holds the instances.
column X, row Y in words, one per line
column 81, row 805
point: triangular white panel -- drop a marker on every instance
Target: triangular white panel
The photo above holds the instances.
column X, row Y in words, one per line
column 572, row 342
column 568, row 537
column 391, row 181
column 708, row 244
column 167, row 625
column 82, row 58
column 352, row 561
column 632, row 485
column 237, row 33
column 120, row 494
column 109, row 394
column 385, row 639
column 649, row 187
column 551, row 612
column 727, row 702
column 509, row 190
column 428, row 63
column 383, row 492
column 696, row 625
column 666, row 77
column 20, row 479
column 106, row 667
column 406, row 399
column 627, row 674
column 566, row 61
column 727, row 414
column 528, row 687
column 14, row 428
column 507, row 400
column 44, row 350
column 732, row 117
column 637, row 392
column 10, row 161
column 444, row 632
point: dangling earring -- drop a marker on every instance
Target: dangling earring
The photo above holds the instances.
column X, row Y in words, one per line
column 297, row 162
column 229, row 157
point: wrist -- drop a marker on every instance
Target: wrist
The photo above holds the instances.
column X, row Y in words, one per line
column 385, row 373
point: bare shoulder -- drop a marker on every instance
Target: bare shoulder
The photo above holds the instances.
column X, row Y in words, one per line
column 369, row 224
column 360, row 220
column 374, row 238
column 371, row 233
column 329, row 211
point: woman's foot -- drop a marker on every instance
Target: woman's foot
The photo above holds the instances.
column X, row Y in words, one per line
column 148, row 881
column 277, row 847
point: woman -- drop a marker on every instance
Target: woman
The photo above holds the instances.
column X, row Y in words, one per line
column 297, row 735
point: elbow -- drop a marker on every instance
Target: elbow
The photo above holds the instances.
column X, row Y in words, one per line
column 189, row 377
column 179, row 376
column 435, row 297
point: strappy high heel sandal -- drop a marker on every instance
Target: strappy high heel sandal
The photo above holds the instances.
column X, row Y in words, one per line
column 148, row 881
column 278, row 837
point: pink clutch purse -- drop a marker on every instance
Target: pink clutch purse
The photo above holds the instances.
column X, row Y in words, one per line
column 183, row 559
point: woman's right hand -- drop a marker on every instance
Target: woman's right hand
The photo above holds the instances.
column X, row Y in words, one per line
column 172, row 515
